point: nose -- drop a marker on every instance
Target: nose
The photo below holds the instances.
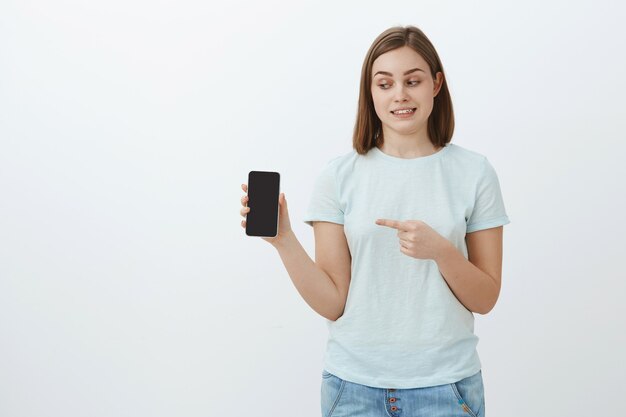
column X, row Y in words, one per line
column 400, row 93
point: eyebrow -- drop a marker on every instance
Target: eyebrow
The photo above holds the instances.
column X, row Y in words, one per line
column 405, row 73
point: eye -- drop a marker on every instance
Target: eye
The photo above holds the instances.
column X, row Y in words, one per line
column 382, row 86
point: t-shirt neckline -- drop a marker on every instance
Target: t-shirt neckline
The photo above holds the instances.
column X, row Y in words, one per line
column 378, row 154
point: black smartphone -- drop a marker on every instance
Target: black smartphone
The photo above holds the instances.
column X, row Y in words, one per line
column 263, row 193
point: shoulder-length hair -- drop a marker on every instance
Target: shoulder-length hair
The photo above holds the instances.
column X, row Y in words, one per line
column 368, row 127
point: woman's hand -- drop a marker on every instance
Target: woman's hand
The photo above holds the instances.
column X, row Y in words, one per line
column 417, row 239
column 284, row 225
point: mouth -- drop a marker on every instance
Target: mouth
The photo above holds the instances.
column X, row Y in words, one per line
column 404, row 112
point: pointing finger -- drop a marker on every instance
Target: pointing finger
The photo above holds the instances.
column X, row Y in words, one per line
column 390, row 223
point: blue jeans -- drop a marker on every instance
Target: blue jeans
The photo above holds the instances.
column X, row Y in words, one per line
column 341, row 398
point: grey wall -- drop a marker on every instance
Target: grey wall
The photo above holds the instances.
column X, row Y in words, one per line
column 128, row 286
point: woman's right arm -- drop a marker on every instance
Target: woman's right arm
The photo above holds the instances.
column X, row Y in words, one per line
column 323, row 284
column 316, row 286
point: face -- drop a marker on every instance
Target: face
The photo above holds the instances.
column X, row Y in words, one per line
column 396, row 83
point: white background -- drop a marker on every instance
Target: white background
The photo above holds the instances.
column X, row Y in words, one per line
column 128, row 286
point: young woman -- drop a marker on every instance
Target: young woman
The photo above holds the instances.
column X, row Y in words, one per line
column 408, row 245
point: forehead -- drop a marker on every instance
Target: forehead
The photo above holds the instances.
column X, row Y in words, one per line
column 399, row 60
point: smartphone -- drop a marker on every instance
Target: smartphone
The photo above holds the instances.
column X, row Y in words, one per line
column 263, row 192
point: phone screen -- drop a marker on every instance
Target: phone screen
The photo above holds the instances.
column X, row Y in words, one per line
column 263, row 192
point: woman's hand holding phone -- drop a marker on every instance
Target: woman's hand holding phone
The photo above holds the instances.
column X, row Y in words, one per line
column 284, row 225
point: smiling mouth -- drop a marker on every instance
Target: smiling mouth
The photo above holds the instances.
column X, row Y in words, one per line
column 403, row 112
column 409, row 111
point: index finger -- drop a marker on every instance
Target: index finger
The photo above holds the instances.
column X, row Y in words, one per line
column 396, row 224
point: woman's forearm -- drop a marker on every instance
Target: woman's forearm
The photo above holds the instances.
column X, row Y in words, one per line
column 314, row 285
column 473, row 287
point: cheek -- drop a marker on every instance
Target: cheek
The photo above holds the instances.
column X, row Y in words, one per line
column 425, row 92
column 378, row 101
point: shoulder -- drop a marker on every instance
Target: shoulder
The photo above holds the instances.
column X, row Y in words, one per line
column 463, row 155
column 472, row 167
column 466, row 166
column 342, row 164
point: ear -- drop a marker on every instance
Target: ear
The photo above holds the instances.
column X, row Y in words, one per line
column 438, row 83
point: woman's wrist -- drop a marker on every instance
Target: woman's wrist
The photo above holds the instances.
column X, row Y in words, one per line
column 284, row 241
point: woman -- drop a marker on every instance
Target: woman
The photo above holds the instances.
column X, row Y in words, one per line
column 408, row 245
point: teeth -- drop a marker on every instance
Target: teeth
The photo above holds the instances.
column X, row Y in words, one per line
column 403, row 111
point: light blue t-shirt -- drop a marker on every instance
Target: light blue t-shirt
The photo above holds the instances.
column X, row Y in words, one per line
column 402, row 326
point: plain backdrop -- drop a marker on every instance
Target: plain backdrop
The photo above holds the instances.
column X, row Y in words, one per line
column 128, row 286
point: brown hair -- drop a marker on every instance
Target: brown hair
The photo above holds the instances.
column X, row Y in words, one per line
column 368, row 127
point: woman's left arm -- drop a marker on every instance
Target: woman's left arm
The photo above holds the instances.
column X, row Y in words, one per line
column 474, row 282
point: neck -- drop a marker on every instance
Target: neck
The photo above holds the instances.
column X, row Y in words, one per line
column 405, row 147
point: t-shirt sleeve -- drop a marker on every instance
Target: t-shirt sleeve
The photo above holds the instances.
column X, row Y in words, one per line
column 324, row 202
column 488, row 208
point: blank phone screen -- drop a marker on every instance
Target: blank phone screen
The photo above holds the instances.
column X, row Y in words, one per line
column 263, row 192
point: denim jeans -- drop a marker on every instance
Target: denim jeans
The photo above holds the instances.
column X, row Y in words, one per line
column 341, row 398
